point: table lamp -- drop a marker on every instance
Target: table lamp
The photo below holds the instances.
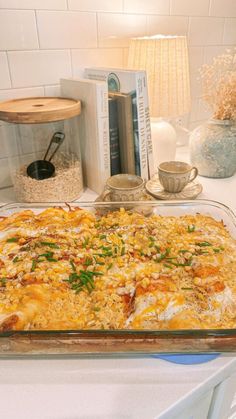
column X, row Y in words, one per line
column 165, row 59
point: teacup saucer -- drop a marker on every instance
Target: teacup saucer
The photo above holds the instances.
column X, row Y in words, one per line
column 142, row 209
column 107, row 198
column 190, row 191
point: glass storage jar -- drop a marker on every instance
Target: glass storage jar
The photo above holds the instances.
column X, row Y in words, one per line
column 213, row 148
column 33, row 126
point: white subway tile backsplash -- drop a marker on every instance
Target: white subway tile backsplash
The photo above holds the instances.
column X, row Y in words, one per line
column 5, row 81
column 196, row 56
column 223, row 8
column 211, row 52
column 189, row 7
column 194, row 109
column 18, row 30
column 100, row 57
column 229, row 36
column 96, row 5
column 204, row 112
column 125, row 57
column 167, row 25
column 194, row 125
column 67, row 29
column 160, row 7
column 199, row 110
column 52, row 90
column 18, row 93
column 195, row 85
column 117, row 29
column 35, row 68
column 33, row 4
column 206, row 31
column 58, row 38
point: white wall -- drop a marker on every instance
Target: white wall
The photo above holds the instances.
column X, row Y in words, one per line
column 43, row 40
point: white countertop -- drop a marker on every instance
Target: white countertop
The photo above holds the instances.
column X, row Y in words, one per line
column 131, row 388
column 111, row 388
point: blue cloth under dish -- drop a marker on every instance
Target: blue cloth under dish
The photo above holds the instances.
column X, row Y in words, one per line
column 188, row 359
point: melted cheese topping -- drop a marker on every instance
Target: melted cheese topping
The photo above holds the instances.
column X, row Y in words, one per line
column 78, row 270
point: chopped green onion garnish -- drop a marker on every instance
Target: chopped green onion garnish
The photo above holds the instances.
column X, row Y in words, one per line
column 203, row 244
column 47, row 255
column 15, row 259
column 73, row 266
column 88, row 262
column 96, row 273
column 83, row 280
column 3, row 281
column 12, row 240
column 102, row 255
column 163, row 255
column 34, row 264
column 50, row 244
column 85, row 243
column 168, row 266
column 191, row 228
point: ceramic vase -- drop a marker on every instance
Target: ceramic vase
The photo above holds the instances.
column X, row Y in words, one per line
column 213, row 148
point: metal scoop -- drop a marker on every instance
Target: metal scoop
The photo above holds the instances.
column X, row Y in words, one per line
column 44, row 169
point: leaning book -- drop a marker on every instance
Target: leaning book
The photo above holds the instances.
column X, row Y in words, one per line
column 131, row 82
column 125, row 129
column 93, row 128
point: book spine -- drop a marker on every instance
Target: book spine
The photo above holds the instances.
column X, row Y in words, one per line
column 150, row 161
column 136, row 133
column 142, row 146
column 114, row 137
column 103, row 133
column 125, row 126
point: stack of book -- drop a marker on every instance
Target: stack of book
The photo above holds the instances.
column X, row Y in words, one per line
column 115, row 131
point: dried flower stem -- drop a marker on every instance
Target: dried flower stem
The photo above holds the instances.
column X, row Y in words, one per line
column 219, row 85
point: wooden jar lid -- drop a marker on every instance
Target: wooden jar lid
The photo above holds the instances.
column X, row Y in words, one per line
column 37, row 110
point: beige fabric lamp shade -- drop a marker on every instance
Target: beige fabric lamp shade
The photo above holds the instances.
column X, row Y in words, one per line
column 165, row 59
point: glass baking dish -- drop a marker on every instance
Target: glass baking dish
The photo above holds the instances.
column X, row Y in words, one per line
column 112, row 342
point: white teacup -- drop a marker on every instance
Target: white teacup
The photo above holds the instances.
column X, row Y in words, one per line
column 175, row 175
column 124, row 187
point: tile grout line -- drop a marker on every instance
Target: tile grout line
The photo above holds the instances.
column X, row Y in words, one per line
column 209, row 8
column 9, row 70
column 71, row 64
column 188, row 30
column 97, row 30
column 37, row 29
column 223, row 32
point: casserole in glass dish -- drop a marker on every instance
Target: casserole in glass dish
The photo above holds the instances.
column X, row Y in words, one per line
column 158, row 246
